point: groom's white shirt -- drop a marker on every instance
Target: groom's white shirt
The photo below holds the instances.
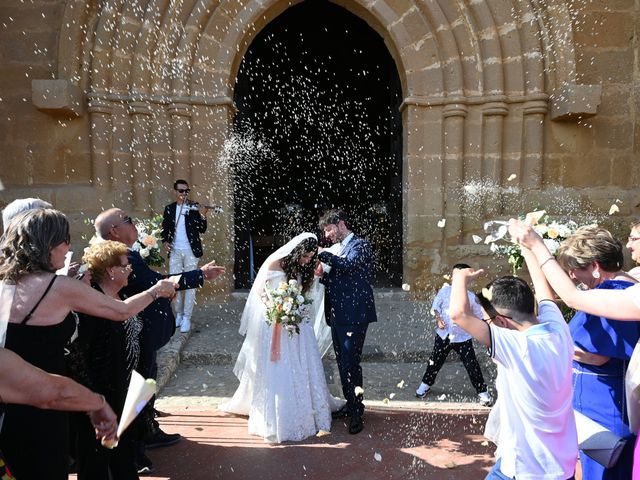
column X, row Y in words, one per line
column 336, row 249
column 344, row 242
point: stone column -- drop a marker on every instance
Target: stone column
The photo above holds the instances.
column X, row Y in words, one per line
column 100, row 120
column 210, row 124
column 180, row 114
column 454, row 116
column 534, row 111
column 140, row 116
column 492, row 138
column 161, row 136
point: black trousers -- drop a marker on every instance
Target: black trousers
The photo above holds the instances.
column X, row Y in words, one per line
column 441, row 349
column 347, row 343
column 96, row 462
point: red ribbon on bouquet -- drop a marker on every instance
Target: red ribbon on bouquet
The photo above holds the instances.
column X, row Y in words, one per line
column 275, row 342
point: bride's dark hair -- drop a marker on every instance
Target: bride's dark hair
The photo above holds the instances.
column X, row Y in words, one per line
column 291, row 266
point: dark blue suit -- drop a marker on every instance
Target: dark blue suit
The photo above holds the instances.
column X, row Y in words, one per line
column 159, row 322
column 349, row 308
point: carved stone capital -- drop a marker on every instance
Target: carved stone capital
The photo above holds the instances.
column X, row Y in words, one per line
column 455, row 110
column 140, row 108
column 495, row 108
column 179, row 109
column 99, row 104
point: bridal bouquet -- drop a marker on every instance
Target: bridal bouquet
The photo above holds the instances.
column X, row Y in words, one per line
column 148, row 243
column 287, row 306
column 553, row 233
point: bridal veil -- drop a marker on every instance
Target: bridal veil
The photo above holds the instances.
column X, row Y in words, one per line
column 253, row 315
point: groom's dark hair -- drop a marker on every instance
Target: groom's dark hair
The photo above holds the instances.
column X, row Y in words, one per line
column 333, row 217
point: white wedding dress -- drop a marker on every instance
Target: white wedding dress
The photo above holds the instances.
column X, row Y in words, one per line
column 286, row 399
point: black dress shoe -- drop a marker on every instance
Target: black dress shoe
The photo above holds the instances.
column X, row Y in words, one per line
column 143, row 465
column 356, row 425
column 161, row 439
column 342, row 413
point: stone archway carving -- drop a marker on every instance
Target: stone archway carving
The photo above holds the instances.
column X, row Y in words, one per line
column 159, row 77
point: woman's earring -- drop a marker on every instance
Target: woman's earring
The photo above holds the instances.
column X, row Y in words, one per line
column 595, row 274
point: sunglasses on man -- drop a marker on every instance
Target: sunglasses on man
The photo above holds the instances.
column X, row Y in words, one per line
column 183, row 190
column 126, row 219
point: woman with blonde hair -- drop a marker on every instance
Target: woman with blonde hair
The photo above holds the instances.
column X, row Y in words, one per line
column 106, row 354
column 39, row 328
column 593, row 259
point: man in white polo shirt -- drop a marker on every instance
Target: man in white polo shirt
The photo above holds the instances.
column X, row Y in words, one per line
column 537, row 437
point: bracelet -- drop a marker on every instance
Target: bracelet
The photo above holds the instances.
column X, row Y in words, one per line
column 547, row 260
column 153, row 294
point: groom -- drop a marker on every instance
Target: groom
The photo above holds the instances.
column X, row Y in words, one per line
column 349, row 307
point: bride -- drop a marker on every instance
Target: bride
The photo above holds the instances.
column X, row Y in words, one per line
column 286, row 399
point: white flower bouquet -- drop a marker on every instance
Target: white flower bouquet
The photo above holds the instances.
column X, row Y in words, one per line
column 148, row 243
column 553, row 233
column 287, row 306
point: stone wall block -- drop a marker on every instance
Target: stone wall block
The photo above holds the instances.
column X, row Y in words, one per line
column 416, row 25
column 624, row 173
column 512, row 137
column 426, row 82
column 32, row 17
column 587, row 172
column 400, row 7
column 571, row 102
column 605, row 66
column 513, row 76
column 604, row 29
column 421, row 56
column 72, row 198
column 28, row 52
column 613, row 133
column 58, row 96
column 415, row 169
column 608, row 6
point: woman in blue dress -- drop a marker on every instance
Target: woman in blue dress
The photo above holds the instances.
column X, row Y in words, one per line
column 593, row 258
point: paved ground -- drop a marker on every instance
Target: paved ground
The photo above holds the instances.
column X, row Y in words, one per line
column 396, row 444
column 404, row 437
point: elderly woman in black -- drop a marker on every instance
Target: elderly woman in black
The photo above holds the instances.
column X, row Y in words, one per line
column 33, row 247
column 107, row 353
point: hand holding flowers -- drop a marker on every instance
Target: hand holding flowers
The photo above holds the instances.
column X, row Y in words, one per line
column 552, row 233
column 286, row 305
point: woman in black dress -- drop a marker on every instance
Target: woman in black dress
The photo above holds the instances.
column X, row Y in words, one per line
column 107, row 352
column 34, row 441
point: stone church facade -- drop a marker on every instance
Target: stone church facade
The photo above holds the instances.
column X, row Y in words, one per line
column 106, row 102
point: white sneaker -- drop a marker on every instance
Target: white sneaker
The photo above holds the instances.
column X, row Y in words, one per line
column 484, row 399
column 178, row 319
column 185, row 326
column 422, row 390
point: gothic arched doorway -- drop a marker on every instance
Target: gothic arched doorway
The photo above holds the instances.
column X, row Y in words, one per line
column 318, row 125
